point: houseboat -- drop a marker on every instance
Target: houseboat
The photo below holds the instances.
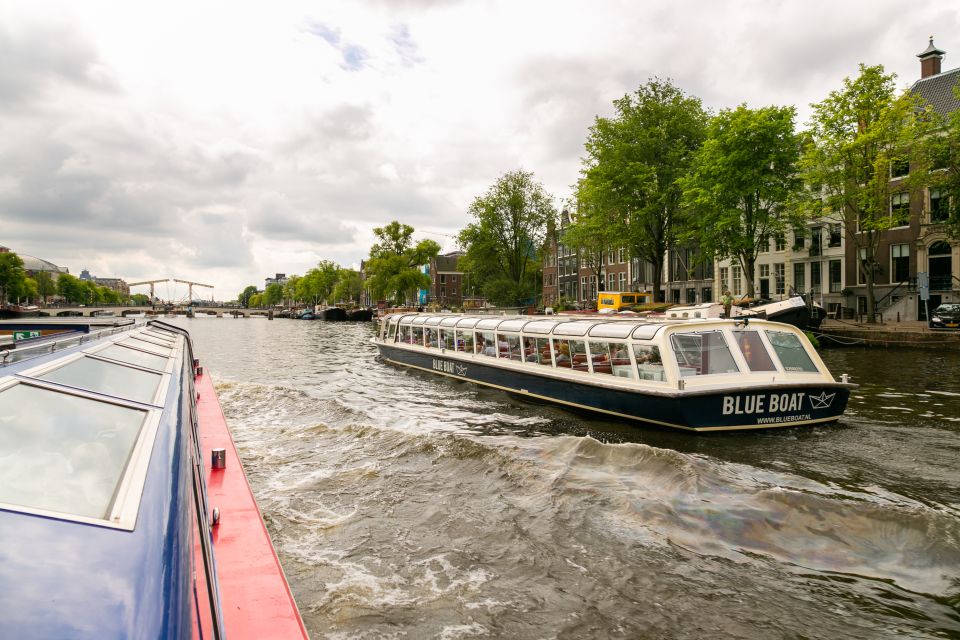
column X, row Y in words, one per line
column 124, row 509
column 695, row 374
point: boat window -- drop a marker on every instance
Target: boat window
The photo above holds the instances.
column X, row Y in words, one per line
column 754, row 351
column 508, row 346
column 62, row 452
column 419, row 319
column 608, row 302
column 417, row 337
column 793, row 356
column 133, row 356
column 575, row 328
column 628, row 299
column 109, row 378
column 434, row 320
column 465, row 341
column 431, row 337
column 530, row 353
column 571, row 354
column 612, row 330
column 512, row 325
column 612, row 358
column 450, row 321
column 540, row 326
column 486, row 345
column 646, row 331
column 448, row 341
column 468, row 323
column 543, row 351
column 489, row 323
column 405, row 334
column 600, row 357
column 392, row 330
column 649, row 363
column 700, row 354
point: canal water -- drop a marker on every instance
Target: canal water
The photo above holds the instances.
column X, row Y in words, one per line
column 406, row 505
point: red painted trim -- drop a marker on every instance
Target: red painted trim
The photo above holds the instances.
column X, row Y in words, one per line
column 255, row 596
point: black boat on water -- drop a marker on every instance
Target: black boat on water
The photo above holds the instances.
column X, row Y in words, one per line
column 701, row 374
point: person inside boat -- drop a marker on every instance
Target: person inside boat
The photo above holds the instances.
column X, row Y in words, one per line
column 489, row 349
column 530, row 350
column 563, row 354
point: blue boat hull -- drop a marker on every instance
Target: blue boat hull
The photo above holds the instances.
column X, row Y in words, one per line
column 761, row 408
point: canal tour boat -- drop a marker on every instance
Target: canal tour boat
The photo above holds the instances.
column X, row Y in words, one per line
column 124, row 509
column 693, row 374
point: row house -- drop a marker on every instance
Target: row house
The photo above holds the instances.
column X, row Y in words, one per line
column 570, row 276
column 446, row 281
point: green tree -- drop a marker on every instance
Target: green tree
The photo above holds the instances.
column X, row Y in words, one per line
column 349, row 287
column 108, row 295
column 244, row 297
column 70, row 288
column 508, row 231
column 857, row 135
column 633, row 163
column 290, row 290
column 255, row 301
column 741, row 182
column 46, row 287
column 394, row 267
column 12, row 276
column 273, row 294
column 140, row 299
column 317, row 284
column 29, row 290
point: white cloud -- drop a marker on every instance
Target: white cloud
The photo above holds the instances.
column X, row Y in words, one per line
column 223, row 142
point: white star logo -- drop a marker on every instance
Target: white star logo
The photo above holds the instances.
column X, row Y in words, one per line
column 461, row 370
column 822, row 401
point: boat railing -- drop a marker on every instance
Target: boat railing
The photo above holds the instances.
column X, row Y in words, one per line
column 44, row 347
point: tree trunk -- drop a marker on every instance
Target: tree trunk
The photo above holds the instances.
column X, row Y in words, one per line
column 658, row 294
column 871, row 300
column 749, row 267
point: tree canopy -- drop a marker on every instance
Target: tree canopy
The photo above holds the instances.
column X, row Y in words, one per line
column 244, row 297
column 503, row 242
column 12, row 276
column 394, row 267
column 858, row 135
column 317, row 284
column 633, row 163
column 741, row 182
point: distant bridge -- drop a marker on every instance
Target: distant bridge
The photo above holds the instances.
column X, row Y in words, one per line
column 92, row 311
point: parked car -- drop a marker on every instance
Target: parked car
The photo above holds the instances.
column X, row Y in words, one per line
column 946, row 316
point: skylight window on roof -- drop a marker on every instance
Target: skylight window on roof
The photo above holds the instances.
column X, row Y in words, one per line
column 146, row 337
column 64, row 453
column 134, row 356
column 169, row 339
column 108, row 378
column 147, row 346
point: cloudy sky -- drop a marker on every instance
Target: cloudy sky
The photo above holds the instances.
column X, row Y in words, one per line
column 222, row 142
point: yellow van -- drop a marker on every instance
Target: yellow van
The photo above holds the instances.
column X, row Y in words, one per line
column 617, row 300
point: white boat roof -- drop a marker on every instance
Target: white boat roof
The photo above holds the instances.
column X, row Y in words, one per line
column 599, row 326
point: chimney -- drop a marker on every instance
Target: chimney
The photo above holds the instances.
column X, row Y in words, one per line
column 930, row 60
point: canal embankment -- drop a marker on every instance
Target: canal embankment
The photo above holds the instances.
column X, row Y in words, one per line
column 912, row 334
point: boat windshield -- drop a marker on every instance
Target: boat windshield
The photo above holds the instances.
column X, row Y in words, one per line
column 700, row 354
column 791, row 352
column 754, row 351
